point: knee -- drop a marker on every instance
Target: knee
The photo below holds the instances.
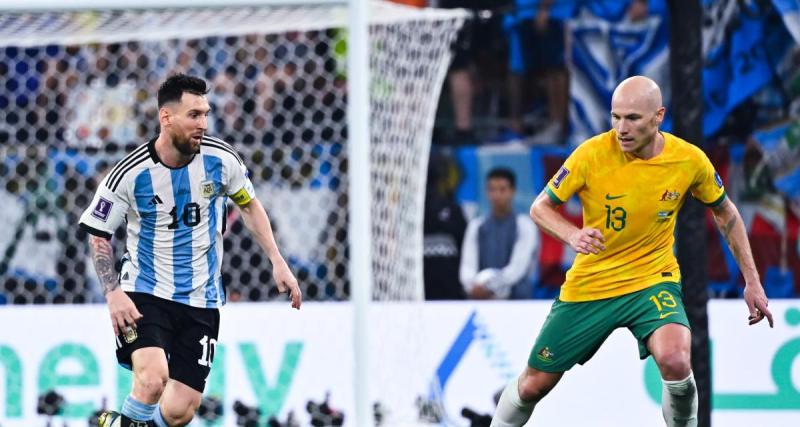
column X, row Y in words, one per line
column 178, row 419
column 675, row 365
column 177, row 414
column 532, row 388
column 150, row 385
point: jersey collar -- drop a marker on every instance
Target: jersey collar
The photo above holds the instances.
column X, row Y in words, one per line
column 151, row 148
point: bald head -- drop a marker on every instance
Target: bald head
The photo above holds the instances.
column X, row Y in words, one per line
column 638, row 92
column 636, row 114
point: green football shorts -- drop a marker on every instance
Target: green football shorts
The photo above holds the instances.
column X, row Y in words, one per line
column 573, row 331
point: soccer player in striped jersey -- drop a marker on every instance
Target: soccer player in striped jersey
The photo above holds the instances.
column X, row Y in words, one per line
column 631, row 181
column 164, row 304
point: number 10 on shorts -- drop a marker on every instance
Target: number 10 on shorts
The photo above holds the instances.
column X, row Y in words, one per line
column 209, row 348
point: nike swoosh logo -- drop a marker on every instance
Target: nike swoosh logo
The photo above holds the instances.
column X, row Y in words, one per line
column 665, row 315
column 610, row 197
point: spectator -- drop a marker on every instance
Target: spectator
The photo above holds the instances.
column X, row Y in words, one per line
column 537, row 46
column 474, row 62
column 444, row 232
column 498, row 248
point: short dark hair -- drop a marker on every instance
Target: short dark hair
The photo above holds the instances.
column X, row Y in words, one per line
column 173, row 88
column 503, row 173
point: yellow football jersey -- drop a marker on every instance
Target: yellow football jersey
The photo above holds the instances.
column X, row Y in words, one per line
column 634, row 203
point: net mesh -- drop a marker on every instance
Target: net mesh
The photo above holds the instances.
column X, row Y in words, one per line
column 79, row 93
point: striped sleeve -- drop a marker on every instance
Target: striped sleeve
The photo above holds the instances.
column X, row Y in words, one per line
column 110, row 203
column 237, row 186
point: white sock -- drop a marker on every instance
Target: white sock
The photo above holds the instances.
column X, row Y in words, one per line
column 679, row 402
column 511, row 410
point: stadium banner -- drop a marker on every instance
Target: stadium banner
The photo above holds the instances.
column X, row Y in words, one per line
column 458, row 354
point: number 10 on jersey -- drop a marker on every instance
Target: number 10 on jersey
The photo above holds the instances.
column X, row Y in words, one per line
column 190, row 216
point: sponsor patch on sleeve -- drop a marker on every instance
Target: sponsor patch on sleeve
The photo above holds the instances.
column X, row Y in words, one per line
column 718, row 179
column 562, row 173
column 102, row 209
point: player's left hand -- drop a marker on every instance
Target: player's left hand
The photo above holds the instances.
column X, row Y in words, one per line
column 757, row 303
column 287, row 282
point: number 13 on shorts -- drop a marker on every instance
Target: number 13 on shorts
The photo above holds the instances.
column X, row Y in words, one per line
column 662, row 300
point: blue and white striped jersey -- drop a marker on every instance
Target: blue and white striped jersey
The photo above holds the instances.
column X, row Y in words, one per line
column 175, row 219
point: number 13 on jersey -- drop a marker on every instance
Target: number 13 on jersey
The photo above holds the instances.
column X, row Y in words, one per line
column 615, row 218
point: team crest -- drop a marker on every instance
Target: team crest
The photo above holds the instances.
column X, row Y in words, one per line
column 545, row 355
column 130, row 335
column 670, row 196
column 207, row 189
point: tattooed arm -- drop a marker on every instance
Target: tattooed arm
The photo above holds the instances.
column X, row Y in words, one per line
column 731, row 226
column 103, row 257
column 123, row 311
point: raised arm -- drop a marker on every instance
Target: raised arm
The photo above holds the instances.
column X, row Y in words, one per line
column 583, row 240
column 256, row 220
column 731, row 226
column 123, row 311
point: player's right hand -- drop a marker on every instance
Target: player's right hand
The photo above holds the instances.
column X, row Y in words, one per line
column 123, row 311
column 587, row 241
column 287, row 282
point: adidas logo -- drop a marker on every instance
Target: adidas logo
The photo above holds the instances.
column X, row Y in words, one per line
column 155, row 201
column 125, row 276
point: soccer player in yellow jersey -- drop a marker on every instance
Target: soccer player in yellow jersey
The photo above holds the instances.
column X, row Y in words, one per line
column 631, row 181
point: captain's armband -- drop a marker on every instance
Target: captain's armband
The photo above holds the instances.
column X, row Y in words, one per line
column 241, row 197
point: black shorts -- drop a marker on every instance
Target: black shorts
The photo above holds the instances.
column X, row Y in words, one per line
column 187, row 334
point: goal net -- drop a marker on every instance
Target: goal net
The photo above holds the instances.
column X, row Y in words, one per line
column 78, row 93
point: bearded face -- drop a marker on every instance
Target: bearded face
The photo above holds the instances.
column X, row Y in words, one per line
column 187, row 122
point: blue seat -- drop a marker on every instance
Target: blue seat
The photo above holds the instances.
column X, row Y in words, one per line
column 778, row 282
column 545, row 291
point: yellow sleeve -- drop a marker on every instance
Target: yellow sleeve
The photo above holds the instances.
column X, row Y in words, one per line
column 570, row 177
column 707, row 186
